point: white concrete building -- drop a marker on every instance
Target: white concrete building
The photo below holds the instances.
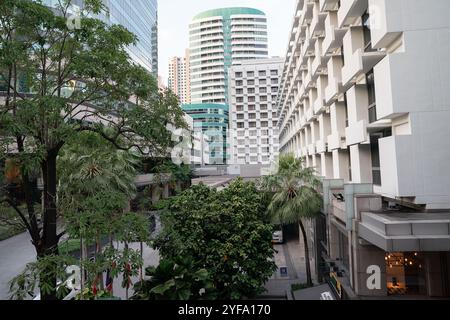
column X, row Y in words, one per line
column 253, row 89
column 365, row 100
column 219, row 38
column 178, row 75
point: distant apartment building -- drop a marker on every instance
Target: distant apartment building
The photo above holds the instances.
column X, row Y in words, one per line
column 364, row 100
column 253, row 89
column 177, row 82
column 219, row 38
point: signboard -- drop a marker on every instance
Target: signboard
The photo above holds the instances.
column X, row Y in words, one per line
column 283, row 271
column 336, row 283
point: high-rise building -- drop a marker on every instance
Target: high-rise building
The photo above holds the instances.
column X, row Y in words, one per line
column 253, row 88
column 364, row 100
column 139, row 17
column 219, row 38
column 177, row 81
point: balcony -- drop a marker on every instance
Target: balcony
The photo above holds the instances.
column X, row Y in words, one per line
column 351, row 10
column 356, row 134
column 388, row 20
column 333, row 35
column 398, row 171
column 321, row 146
column 328, row 5
column 359, row 64
column 336, row 141
column 319, row 106
column 317, row 23
column 312, row 149
column 309, row 114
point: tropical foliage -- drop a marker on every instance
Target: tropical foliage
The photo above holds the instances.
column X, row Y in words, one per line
column 58, row 82
column 223, row 232
column 177, row 279
column 293, row 190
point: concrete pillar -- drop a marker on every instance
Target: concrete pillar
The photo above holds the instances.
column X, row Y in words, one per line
column 365, row 256
column 156, row 194
column 165, row 194
column 341, row 164
column 361, row 163
column 327, row 165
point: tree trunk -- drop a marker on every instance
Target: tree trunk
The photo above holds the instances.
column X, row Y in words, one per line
column 49, row 237
column 308, row 266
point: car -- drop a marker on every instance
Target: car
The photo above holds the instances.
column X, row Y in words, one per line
column 277, row 236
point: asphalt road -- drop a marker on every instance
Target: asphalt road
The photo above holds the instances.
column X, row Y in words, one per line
column 15, row 253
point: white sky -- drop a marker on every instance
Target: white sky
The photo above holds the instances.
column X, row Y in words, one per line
column 175, row 15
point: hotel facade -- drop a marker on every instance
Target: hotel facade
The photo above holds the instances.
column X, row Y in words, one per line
column 364, row 100
column 253, row 89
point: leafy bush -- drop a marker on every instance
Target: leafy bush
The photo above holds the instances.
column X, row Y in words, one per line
column 226, row 233
column 177, row 279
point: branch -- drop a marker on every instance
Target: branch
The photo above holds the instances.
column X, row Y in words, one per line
column 19, row 212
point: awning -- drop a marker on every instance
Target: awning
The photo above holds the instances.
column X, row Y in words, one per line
column 405, row 232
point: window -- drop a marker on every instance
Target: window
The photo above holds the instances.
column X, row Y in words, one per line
column 251, row 99
column 370, row 80
column 265, row 149
column 238, row 74
column 346, row 109
column 274, row 123
column 263, row 115
column 253, row 150
column 253, row 141
column 265, row 141
column 251, row 82
column 239, row 99
column 262, row 73
column 239, row 108
column 239, row 83
column 274, row 89
column 274, row 81
column 262, row 90
column 273, row 72
column 240, row 125
column 251, row 90
column 240, row 117
column 265, row 132
column 262, row 82
column 253, row 133
column 366, row 32
column 263, row 98
column 251, row 107
column 264, row 124
column 274, row 114
column 252, row 124
column 263, row 107
column 239, row 91
column 250, row 74
column 252, row 116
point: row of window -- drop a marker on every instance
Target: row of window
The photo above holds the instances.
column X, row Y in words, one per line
column 252, row 124
column 252, row 107
column 263, row 115
column 261, row 73
column 253, row 99
column 261, row 82
column 260, row 90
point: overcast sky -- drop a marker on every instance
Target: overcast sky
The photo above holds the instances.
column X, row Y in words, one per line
column 175, row 15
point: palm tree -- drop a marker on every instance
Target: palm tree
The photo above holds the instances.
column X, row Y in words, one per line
column 89, row 168
column 293, row 189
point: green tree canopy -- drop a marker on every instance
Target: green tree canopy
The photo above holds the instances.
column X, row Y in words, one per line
column 58, row 82
column 223, row 232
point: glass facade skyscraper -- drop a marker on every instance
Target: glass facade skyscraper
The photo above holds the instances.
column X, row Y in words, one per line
column 139, row 17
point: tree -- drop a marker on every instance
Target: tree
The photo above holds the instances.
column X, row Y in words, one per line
column 223, row 232
column 58, row 82
column 294, row 197
column 178, row 279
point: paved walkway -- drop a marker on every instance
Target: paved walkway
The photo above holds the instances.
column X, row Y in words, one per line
column 15, row 253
